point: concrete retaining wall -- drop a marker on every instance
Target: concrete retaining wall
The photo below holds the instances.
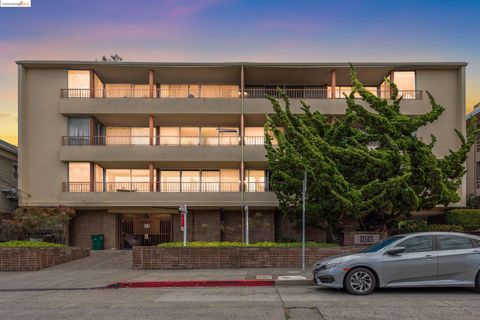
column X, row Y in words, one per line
column 30, row 259
column 233, row 257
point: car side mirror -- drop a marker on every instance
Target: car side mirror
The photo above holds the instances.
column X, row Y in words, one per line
column 395, row 251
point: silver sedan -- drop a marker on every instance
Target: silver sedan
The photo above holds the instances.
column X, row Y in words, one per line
column 427, row 259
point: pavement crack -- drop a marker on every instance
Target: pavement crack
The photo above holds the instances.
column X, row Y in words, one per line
column 284, row 306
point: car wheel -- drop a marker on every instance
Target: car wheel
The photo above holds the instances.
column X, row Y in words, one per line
column 360, row 281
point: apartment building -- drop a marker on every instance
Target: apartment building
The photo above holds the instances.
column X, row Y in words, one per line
column 473, row 160
column 8, row 179
column 127, row 143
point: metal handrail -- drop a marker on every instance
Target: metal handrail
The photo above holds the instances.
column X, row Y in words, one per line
column 163, row 186
column 248, row 93
column 157, row 140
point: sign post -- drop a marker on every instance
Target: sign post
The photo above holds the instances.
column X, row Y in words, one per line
column 246, row 226
column 304, row 191
column 183, row 222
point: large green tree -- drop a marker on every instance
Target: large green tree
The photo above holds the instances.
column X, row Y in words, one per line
column 367, row 167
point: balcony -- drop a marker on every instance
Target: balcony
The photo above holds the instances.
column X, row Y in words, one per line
column 207, row 141
column 200, row 186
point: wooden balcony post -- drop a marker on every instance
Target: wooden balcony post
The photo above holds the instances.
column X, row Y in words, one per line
column 152, row 179
column 150, row 125
column 150, row 82
column 92, row 177
column 92, row 83
column 333, row 84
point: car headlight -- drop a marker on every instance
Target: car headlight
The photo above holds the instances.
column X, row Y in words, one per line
column 331, row 264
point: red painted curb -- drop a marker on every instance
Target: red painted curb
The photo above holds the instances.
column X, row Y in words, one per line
column 192, row 284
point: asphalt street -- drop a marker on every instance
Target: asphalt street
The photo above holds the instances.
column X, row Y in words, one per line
column 289, row 302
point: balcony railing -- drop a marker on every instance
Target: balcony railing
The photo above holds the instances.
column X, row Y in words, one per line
column 249, row 93
column 207, row 141
column 187, row 93
column 183, row 186
column 321, row 93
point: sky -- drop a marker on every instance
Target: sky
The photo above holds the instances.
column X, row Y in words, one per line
column 236, row 30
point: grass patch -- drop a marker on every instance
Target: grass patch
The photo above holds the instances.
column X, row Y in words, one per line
column 241, row 244
column 28, row 244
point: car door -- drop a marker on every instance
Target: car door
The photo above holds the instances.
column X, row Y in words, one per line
column 458, row 259
column 416, row 265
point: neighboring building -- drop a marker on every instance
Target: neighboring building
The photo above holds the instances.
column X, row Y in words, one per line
column 8, row 178
column 127, row 143
column 473, row 161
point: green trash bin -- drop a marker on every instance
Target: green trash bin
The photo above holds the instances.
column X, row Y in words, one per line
column 97, row 241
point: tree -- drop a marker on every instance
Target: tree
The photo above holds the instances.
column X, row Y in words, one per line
column 367, row 166
column 32, row 221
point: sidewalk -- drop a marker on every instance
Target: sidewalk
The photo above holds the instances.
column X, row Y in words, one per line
column 104, row 268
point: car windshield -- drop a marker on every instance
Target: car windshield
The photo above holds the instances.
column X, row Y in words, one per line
column 381, row 244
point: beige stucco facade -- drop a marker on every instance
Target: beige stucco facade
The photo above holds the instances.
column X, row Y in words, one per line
column 45, row 109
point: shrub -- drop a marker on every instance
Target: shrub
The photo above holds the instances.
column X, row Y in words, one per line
column 469, row 219
column 28, row 244
column 408, row 226
column 420, row 225
column 473, row 202
column 241, row 244
column 445, row 227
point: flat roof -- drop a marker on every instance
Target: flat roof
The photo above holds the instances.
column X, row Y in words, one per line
column 78, row 63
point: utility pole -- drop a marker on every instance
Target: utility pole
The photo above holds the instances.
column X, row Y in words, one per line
column 247, row 241
column 304, row 191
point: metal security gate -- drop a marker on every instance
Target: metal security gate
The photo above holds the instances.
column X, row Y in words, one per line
column 145, row 231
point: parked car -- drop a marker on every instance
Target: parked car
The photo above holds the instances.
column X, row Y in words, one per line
column 425, row 259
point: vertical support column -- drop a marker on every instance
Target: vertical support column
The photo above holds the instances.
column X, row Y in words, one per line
column 242, row 147
column 151, row 126
column 333, row 84
column 92, row 130
column 152, row 177
column 392, row 79
column 92, row 83
column 150, row 82
column 92, row 177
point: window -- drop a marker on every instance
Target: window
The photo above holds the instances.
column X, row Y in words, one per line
column 78, row 131
column 79, row 176
column 254, row 136
column 417, row 244
column 210, row 181
column 169, row 136
column 78, row 79
column 230, row 180
column 447, row 242
column 15, row 171
column 127, row 136
column 255, row 180
column 170, row 181
column 118, row 180
column 190, row 181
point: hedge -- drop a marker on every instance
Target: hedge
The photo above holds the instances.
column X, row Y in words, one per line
column 469, row 219
column 408, row 226
column 28, row 244
column 241, row 244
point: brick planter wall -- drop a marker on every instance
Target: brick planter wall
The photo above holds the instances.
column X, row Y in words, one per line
column 30, row 259
column 211, row 258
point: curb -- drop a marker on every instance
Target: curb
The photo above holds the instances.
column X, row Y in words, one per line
column 192, row 284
